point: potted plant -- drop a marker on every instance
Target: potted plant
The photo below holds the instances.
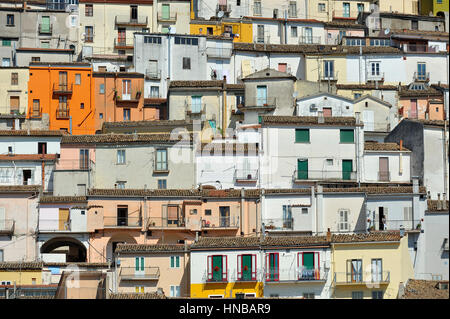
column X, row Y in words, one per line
column 419, row 226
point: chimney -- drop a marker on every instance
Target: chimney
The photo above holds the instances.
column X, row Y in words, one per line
column 320, row 118
column 401, row 145
column 328, row 235
column 439, row 203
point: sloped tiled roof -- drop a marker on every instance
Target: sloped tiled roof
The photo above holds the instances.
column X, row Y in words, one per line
column 425, row 289
column 120, row 138
column 376, row 146
column 31, row 133
column 226, row 242
column 182, row 193
column 376, row 190
column 29, row 157
column 366, row 86
column 270, row 120
column 19, row 188
column 135, row 295
column 25, row 265
column 269, row 74
column 139, row 248
column 77, row 264
column 366, row 237
column 224, row 148
column 63, row 199
column 293, row 241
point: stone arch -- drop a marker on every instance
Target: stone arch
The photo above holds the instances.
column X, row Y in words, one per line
column 116, row 239
column 77, row 251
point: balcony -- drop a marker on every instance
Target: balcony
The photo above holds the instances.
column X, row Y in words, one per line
column 254, row 102
column 170, row 18
column 319, row 175
column 229, row 222
column 153, row 74
column 396, row 224
column 375, row 77
column 62, row 89
column 195, row 109
column 328, row 77
column 130, row 273
column 279, row 224
column 262, row 39
column 296, row 275
column 45, row 28
column 226, row 8
column 420, row 48
column 123, row 43
column 219, row 53
column 245, row 176
column 220, row 277
column 421, row 77
column 122, row 222
column 124, row 20
column 54, row 225
column 309, row 40
column 166, row 223
column 69, row 164
column 63, row 113
column 36, row 113
column 384, row 176
column 130, row 98
column 7, row 226
column 368, row 278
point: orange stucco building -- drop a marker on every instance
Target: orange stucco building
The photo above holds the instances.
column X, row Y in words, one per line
column 423, row 103
column 119, row 96
column 63, row 92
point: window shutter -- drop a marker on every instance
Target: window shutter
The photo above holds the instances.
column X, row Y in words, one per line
column 302, row 135
column 239, row 267
column 254, row 267
column 210, row 268
column 171, row 261
column 349, row 270
column 224, row 268
column 276, row 267
column 177, row 258
column 299, row 264
column 377, row 220
column 137, row 263
column 267, row 267
column 347, row 136
column 142, row 263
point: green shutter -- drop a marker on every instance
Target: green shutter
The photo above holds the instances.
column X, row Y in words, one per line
column 178, row 261
column 45, row 24
column 273, row 266
column 142, row 263
column 247, row 262
column 302, row 169
column 302, row 135
column 137, row 263
column 347, row 136
column 165, row 11
column 6, row 42
column 347, row 168
column 217, row 262
column 259, row 119
column 308, row 260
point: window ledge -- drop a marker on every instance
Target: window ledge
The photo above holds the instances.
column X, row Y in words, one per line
column 160, row 171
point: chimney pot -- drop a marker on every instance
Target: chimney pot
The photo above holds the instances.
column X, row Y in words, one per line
column 401, row 145
column 328, row 235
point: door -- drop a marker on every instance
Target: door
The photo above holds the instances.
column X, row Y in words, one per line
column 217, row 268
column 376, row 270
column 126, row 89
column 134, row 13
column 421, row 71
column 282, row 67
column 302, row 169
column 63, row 81
column 308, row 266
column 45, row 25
column 347, row 168
column 260, row 33
column 413, row 112
column 287, row 216
column 247, row 267
column 122, row 36
column 329, row 69
column 308, row 36
column 224, row 216
column 14, row 104
column 63, row 219
column 246, row 172
column 139, row 267
column 273, row 267
column 368, row 120
column 356, row 270
column 122, row 216
column 261, row 97
column 166, row 11
column 383, row 169
column 172, row 216
column 327, row 112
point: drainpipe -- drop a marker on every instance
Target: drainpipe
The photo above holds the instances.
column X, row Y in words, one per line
column 70, row 125
column 241, row 210
column 313, row 206
column 224, row 115
column 319, row 210
column 43, row 174
column 358, row 170
column 444, row 139
column 415, row 210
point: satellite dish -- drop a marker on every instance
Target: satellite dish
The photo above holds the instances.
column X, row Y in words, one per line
column 220, row 14
column 387, row 31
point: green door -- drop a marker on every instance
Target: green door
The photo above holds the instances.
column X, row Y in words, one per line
column 273, row 267
column 347, row 168
column 45, row 28
column 165, row 11
column 302, row 169
column 247, row 267
column 217, row 268
column 308, row 266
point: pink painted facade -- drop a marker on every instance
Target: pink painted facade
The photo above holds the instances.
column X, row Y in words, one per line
column 70, row 156
column 421, row 108
column 332, row 35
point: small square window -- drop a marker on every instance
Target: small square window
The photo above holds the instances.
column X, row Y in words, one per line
column 194, row 211
column 82, row 106
column 330, row 161
column 304, row 210
column 102, row 89
column 207, row 212
column 120, row 184
column 162, row 184
column 100, row 116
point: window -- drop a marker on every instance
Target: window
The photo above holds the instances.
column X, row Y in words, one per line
column 356, row 95
column 322, row 7
column 196, row 104
column 304, row 210
column 272, row 266
column 1, row 256
column 357, row 295
column 77, row 78
column 89, row 34
column 120, row 184
column 120, row 156
column 35, row 59
column 343, row 220
column 360, row 7
column 207, row 212
column 10, row 20
column 45, row 44
column 155, row 40
column 257, row 8
column 414, row 24
column 102, row 89
column 174, row 261
column 188, row 41
column 377, row 270
column 162, row 184
column 174, row 291
column 209, row 31
column 354, row 270
column 377, row 294
column 301, row 135
column 126, row 114
column 6, row 62
column 14, row 78
column 308, row 295
column 6, row 42
column 346, row 13
column 154, row 91
column 217, row 268
column 139, row 289
column 139, row 265
column 193, row 211
column 294, row 33
column 375, row 68
column 238, row 2
column 186, row 63
column 421, row 71
column 36, row 108
column 246, row 267
column 100, row 116
column 347, row 136
column 134, row 13
column 88, row 10
column 260, row 33
column 161, row 160
column 84, row 159
column 292, row 9
column 329, row 161
column 82, row 106
column 328, row 68
column 287, row 216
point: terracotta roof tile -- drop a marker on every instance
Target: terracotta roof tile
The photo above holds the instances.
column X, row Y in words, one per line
column 139, row 248
column 366, row 237
column 376, row 190
column 21, row 265
column 219, row 149
column 63, row 199
column 29, row 157
column 135, row 295
column 367, row 86
column 226, row 242
column 375, row 146
column 271, row 120
column 120, row 138
column 430, row 91
column 77, row 264
column 19, row 188
column 181, row 193
column 294, row 241
column 425, row 289
column 31, row 133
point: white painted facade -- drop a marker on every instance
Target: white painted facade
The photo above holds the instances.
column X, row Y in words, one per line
column 219, row 60
column 306, row 33
column 12, row 173
column 273, row 31
column 28, row 144
column 49, row 219
column 399, row 166
column 313, row 104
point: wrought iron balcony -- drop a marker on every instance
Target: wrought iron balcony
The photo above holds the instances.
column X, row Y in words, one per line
column 375, row 77
column 421, row 77
column 328, row 77
column 262, row 39
column 123, row 43
column 166, row 223
column 172, row 17
column 153, row 74
column 54, row 225
column 312, row 175
column 223, row 7
column 220, row 276
column 278, row 224
column 195, row 109
column 7, row 226
column 220, row 222
column 120, row 221
column 258, row 102
column 62, row 88
column 45, row 28
column 128, row 20
column 396, row 224
column 220, row 53
column 294, row 274
column 369, row 278
column 130, row 273
column 63, row 113
column 244, row 175
column 309, row 40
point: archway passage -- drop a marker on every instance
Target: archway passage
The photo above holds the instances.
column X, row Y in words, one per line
column 114, row 241
column 440, row 14
column 74, row 250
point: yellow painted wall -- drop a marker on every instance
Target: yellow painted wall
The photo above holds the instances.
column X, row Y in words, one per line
column 24, row 277
column 314, row 63
column 395, row 258
column 7, row 89
column 244, row 30
column 207, row 289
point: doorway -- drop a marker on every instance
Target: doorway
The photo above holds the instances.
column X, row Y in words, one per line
column 122, row 216
column 224, row 216
column 27, row 177
column 381, row 218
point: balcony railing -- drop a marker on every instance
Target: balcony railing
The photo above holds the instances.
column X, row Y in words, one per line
column 328, row 77
column 172, row 17
column 223, row 7
column 421, row 76
column 306, row 175
column 309, row 40
column 62, row 88
column 262, row 39
column 120, row 221
column 396, row 224
column 123, row 43
column 128, row 20
column 68, row 164
column 164, row 222
column 7, row 226
column 220, row 277
column 151, row 74
column 193, row 109
column 245, row 175
column 254, row 101
column 295, row 274
column 130, row 273
column 220, row 222
column 362, row 278
column 221, row 53
column 384, row 176
column 36, row 113
column 421, row 48
column 63, row 113
column 54, row 225
column 279, row 223
column 45, row 28
column 375, row 77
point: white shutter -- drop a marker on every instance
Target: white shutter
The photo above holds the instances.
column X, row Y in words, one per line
column 2, row 218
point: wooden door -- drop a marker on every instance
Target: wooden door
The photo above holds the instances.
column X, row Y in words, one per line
column 383, row 169
column 126, row 89
column 63, row 219
column 63, row 81
column 327, row 112
column 14, row 104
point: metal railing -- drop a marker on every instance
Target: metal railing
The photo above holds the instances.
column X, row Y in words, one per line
column 165, row 222
column 196, row 109
column 62, row 88
column 124, row 20
column 309, row 40
column 130, row 273
column 262, row 39
column 329, row 77
column 278, row 223
column 223, row 7
column 218, row 52
column 118, row 221
column 384, row 176
column 63, row 113
column 375, row 77
column 299, row 176
column 44, row 30
column 254, row 101
column 421, row 48
column 246, row 175
column 153, row 74
column 36, row 113
column 69, row 164
column 368, row 277
column 7, row 226
column 220, row 277
column 123, row 42
column 421, row 76
column 300, row 274
column 396, row 224
column 171, row 18
column 220, row 222
column 54, row 225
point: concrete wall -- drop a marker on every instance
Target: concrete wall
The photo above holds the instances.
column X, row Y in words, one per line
column 399, row 166
column 11, row 173
column 435, row 162
column 339, row 106
column 8, row 90
column 24, row 57
column 28, row 144
column 332, row 204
